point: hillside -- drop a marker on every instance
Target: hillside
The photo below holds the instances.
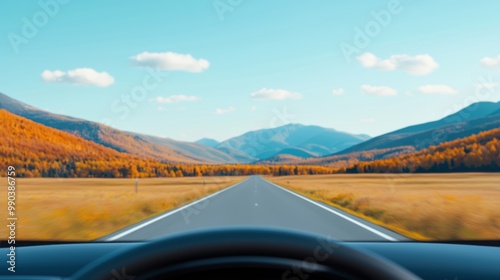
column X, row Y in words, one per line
column 297, row 139
column 208, row 142
column 193, row 150
column 343, row 160
column 36, row 150
column 128, row 142
column 473, row 119
column 479, row 152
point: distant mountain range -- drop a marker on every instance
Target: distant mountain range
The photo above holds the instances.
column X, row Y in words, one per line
column 293, row 139
column 132, row 143
column 288, row 144
column 208, row 142
column 475, row 118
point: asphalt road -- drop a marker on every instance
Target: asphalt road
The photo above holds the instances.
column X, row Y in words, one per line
column 257, row 202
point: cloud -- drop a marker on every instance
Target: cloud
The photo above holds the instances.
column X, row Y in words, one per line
column 220, row 111
column 491, row 61
column 437, row 89
column 274, row 94
column 78, row 76
column 176, row 99
column 378, row 90
column 338, row 91
column 421, row 64
column 170, row 61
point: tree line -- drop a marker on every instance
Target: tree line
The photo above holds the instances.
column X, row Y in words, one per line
column 476, row 153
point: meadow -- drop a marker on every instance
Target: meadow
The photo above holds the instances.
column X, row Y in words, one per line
column 449, row 206
column 87, row 209
column 420, row 206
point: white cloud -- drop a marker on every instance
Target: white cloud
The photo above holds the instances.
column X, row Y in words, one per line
column 437, row 89
column 378, row 90
column 79, row 76
column 253, row 108
column 491, row 61
column 338, row 91
column 421, row 64
column 274, row 94
column 176, row 99
column 170, row 61
column 367, row 120
column 220, row 111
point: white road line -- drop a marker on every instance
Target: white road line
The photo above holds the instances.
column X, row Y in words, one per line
column 139, row 226
column 381, row 234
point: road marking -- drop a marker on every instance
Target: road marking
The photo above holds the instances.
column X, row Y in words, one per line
column 381, row 234
column 137, row 227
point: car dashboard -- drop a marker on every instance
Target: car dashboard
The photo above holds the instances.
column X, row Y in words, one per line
column 452, row 261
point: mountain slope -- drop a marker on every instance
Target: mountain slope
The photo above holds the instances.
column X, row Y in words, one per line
column 194, row 150
column 473, row 119
column 208, row 142
column 343, row 160
column 310, row 140
column 36, row 150
column 122, row 141
column 478, row 153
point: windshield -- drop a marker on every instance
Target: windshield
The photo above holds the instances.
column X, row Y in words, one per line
column 373, row 121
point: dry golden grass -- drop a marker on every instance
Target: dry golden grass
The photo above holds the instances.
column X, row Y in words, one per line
column 420, row 206
column 86, row 209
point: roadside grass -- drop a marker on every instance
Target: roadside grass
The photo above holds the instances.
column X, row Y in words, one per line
column 86, row 209
column 450, row 206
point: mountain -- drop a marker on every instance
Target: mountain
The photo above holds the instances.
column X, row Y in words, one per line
column 475, row 153
column 212, row 143
column 342, row 160
column 293, row 139
column 122, row 141
column 194, row 150
column 36, row 150
column 478, row 117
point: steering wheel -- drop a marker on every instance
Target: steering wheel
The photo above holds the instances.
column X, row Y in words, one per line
column 244, row 253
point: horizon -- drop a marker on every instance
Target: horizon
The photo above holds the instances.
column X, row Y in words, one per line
column 221, row 73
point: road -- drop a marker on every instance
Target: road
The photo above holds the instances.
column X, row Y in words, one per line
column 257, row 202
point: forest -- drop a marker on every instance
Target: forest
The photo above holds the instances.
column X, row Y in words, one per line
column 475, row 153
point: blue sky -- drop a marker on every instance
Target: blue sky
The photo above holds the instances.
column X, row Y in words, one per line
column 218, row 68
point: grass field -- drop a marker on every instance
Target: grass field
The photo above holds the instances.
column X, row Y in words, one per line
column 86, row 209
column 420, row 206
